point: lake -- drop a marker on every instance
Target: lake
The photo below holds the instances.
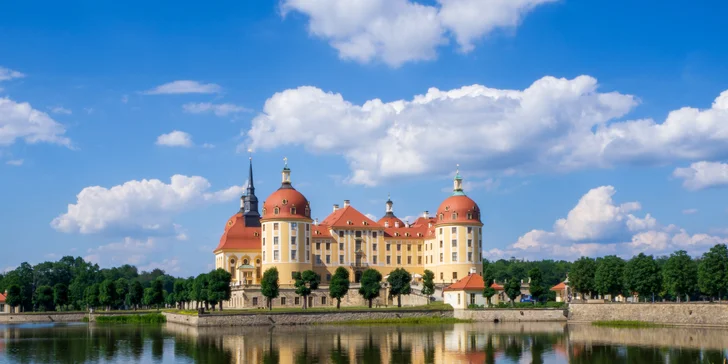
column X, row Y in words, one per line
column 459, row 343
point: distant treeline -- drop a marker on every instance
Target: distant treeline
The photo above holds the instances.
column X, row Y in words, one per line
column 74, row 284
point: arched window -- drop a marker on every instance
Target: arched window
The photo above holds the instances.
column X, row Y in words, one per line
column 308, row 211
column 276, row 211
column 245, row 262
column 442, row 216
column 293, row 210
column 454, row 215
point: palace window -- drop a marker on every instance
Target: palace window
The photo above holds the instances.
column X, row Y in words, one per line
column 480, row 243
column 294, row 226
column 470, row 243
column 454, row 243
column 419, row 248
column 396, row 224
column 275, row 226
column 374, row 246
column 454, row 257
column 470, row 229
column 440, row 231
column 386, row 224
column 357, row 234
column 454, row 275
column 441, row 245
column 293, row 240
column 328, row 259
column 442, row 257
column 399, row 260
column 480, row 231
column 308, row 240
column 454, row 215
column 387, row 247
column 293, row 255
column 328, row 246
column 409, row 247
column 470, row 216
column 245, row 262
column 323, row 300
column 276, row 210
column 255, row 301
column 419, row 260
column 296, row 300
column 341, row 247
column 470, row 257
column 409, row 260
column 318, row 246
column 263, row 227
column 264, row 255
column 263, row 241
column 442, row 217
column 374, row 259
column 442, row 276
column 374, row 234
column 318, row 259
column 341, row 233
column 308, row 227
column 285, row 202
column 399, row 247
column 283, row 301
column 276, row 256
column 341, row 259
column 389, row 260
column 275, row 240
column 308, row 211
column 357, row 246
column 454, row 230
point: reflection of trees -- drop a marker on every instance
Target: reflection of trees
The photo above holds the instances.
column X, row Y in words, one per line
column 303, row 356
column 538, row 346
column 683, row 356
column 401, row 353
column 514, row 348
column 157, row 347
column 638, row 355
column 490, row 351
column 595, row 355
column 338, row 355
column 272, row 356
column 370, row 352
column 713, row 356
column 430, row 348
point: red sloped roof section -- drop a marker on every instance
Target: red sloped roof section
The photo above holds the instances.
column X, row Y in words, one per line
column 342, row 216
column 238, row 236
column 470, row 283
column 559, row 287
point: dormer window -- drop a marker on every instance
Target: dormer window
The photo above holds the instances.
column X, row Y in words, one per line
column 308, row 211
column 285, row 202
column 364, row 223
column 396, row 224
column 396, row 234
column 348, row 222
column 276, row 210
column 442, row 217
column 386, row 224
column 264, row 210
column 293, row 210
column 470, row 216
column 256, row 234
column 406, row 234
column 454, row 216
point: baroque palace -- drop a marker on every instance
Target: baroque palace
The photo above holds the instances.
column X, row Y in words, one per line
column 286, row 237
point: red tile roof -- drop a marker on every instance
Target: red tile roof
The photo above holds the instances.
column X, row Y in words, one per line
column 391, row 221
column 2, row 298
column 461, row 206
column 320, row 232
column 472, row 282
column 237, row 236
column 559, row 287
column 349, row 217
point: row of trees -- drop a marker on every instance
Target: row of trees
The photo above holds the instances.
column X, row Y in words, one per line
column 371, row 284
column 676, row 277
column 539, row 289
column 74, row 284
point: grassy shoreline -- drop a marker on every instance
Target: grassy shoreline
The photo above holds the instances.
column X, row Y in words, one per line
column 632, row 324
column 150, row 318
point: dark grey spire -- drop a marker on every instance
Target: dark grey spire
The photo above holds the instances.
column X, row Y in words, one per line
column 250, row 201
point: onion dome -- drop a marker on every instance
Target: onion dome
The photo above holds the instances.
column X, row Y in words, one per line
column 458, row 208
column 286, row 202
column 389, row 220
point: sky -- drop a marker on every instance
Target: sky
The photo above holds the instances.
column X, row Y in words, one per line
column 580, row 127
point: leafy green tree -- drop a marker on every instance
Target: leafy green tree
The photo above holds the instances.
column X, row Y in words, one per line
column 200, row 289
column 536, row 287
column 107, row 294
column 92, row 295
column 122, row 292
column 269, row 287
column 60, row 295
column 513, row 289
column 371, row 284
column 180, row 292
column 399, row 284
column 642, row 275
column 581, row 277
column 15, row 296
column 190, row 290
column 148, row 299
column 488, row 280
column 339, row 285
column 609, row 276
column 170, row 299
column 428, row 284
column 219, row 286
column 305, row 284
column 43, row 298
column 680, row 275
column 136, row 294
column 713, row 271
column 157, row 293
column 24, row 278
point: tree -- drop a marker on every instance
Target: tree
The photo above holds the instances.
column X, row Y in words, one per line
column 200, row 289
column 43, row 298
column 60, row 295
column 609, row 276
column 24, row 278
column 581, row 277
column 399, row 284
column 157, row 294
column 305, row 283
column 339, row 285
column 371, row 283
column 92, row 296
column 713, row 271
column 122, row 292
column 180, row 292
column 642, row 275
column 428, row 284
column 107, row 294
column 148, row 299
column 488, row 280
column 269, row 286
column 536, row 287
column 680, row 275
column 513, row 289
column 15, row 296
column 219, row 286
column 136, row 294
column 190, row 288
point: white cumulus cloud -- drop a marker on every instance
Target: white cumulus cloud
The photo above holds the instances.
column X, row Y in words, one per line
column 399, row 31
column 175, row 138
column 61, row 110
column 21, row 121
column 8, row 74
column 701, row 175
column 217, row 109
column 598, row 226
column 184, row 87
column 146, row 205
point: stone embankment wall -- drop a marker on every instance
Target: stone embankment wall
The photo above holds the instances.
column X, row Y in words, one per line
column 512, row 315
column 42, row 317
column 699, row 314
column 299, row 318
column 668, row 337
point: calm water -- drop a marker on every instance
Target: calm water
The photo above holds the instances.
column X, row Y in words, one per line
column 462, row 343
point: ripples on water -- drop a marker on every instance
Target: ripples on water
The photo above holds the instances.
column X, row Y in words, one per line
column 462, row 343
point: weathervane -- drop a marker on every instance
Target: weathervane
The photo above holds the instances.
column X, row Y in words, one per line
column 250, row 153
column 285, row 161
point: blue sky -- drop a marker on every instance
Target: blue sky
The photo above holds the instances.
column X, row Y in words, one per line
column 580, row 127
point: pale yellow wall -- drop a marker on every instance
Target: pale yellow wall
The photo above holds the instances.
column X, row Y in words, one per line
column 467, row 256
column 286, row 263
column 224, row 259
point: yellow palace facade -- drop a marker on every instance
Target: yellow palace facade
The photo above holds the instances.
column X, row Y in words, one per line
column 286, row 237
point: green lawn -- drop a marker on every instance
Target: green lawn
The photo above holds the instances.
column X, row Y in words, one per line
column 149, row 318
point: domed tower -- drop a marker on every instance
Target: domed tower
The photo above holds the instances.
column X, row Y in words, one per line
column 389, row 220
column 457, row 243
column 286, row 229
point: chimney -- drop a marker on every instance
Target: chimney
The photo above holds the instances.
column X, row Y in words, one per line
column 346, row 203
column 336, row 207
column 473, row 270
column 426, row 214
column 315, row 222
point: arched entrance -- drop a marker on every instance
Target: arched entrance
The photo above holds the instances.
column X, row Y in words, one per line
column 357, row 276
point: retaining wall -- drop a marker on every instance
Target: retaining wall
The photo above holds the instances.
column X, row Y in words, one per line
column 512, row 315
column 299, row 318
column 38, row 317
column 700, row 314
